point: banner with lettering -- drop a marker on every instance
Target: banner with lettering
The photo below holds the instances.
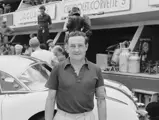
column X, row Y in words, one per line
column 96, row 6
column 29, row 16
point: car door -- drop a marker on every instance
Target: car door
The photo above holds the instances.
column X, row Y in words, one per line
column 11, row 90
column 2, row 97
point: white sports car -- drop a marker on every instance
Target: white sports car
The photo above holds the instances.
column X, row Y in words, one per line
column 23, row 95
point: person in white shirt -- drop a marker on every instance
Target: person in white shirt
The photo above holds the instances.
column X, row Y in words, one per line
column 42, row 54
column 18, row 49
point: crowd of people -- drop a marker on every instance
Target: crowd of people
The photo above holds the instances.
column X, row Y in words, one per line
column 5, row 8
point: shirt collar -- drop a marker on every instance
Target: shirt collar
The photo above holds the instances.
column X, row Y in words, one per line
column 68, row 63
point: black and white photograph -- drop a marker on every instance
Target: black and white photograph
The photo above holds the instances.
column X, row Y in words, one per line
column 79, row 60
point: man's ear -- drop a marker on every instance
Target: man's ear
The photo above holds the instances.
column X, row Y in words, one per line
column 66, row 47
column 87, row 46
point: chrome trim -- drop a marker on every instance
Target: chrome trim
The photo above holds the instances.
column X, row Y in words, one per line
column 123, row 93
column 115, row 100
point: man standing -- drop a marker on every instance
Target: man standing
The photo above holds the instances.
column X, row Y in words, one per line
column 74, row 82
column 5, row 30
column 44, row 23
column 78, row 22
column 41, row 54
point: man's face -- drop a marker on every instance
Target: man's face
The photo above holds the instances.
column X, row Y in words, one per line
column 76, row 47
column 42, row 11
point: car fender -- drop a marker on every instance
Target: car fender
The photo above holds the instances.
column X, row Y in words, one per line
column 25, row 105
column 117, row 110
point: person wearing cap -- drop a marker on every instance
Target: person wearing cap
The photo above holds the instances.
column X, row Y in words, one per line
column 77, row 22
column 42, row 54
column 18, row 49
column 44, row 23
column 50, row 44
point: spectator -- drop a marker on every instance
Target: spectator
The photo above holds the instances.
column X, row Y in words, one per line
column 18, row 49
column 28, row 51
column 4, row 29
column 59, row 53
column 78, row 23
column 50, row 44
column 44, row 23
column 32, row 35
column 1, row 10
column 41, row 54
column 7, row 8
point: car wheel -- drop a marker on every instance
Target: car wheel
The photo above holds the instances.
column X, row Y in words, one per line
column 40, row 118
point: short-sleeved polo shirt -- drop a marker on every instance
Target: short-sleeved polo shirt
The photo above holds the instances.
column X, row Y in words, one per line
column 75, row 93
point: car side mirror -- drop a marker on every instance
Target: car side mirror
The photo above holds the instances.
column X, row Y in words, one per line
column 9, row 79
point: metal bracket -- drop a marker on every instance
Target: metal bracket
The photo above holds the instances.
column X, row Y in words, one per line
column 57, row 38
column 136, row 38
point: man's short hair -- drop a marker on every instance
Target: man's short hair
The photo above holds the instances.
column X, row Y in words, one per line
column 34, row 42
column 43, row 46
column 74, row 34
column 42, row 7
column 58, row 48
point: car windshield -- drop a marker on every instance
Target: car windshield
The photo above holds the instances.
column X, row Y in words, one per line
column 36, row 76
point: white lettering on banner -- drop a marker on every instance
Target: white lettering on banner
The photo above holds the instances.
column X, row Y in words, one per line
column 96, row 6
column 29, row 16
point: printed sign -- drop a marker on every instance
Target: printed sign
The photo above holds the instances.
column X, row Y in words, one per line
column 29, row 16
column 96, row 6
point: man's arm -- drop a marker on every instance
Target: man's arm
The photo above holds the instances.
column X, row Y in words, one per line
column 87, row 25
column 50, row 105
column 10, row 30
column 52, row 84
column 101, row 103
column 69, row 23
column 101, row 95
column 49, row 22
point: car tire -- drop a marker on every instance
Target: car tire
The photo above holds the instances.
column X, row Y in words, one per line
column 41, row 117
